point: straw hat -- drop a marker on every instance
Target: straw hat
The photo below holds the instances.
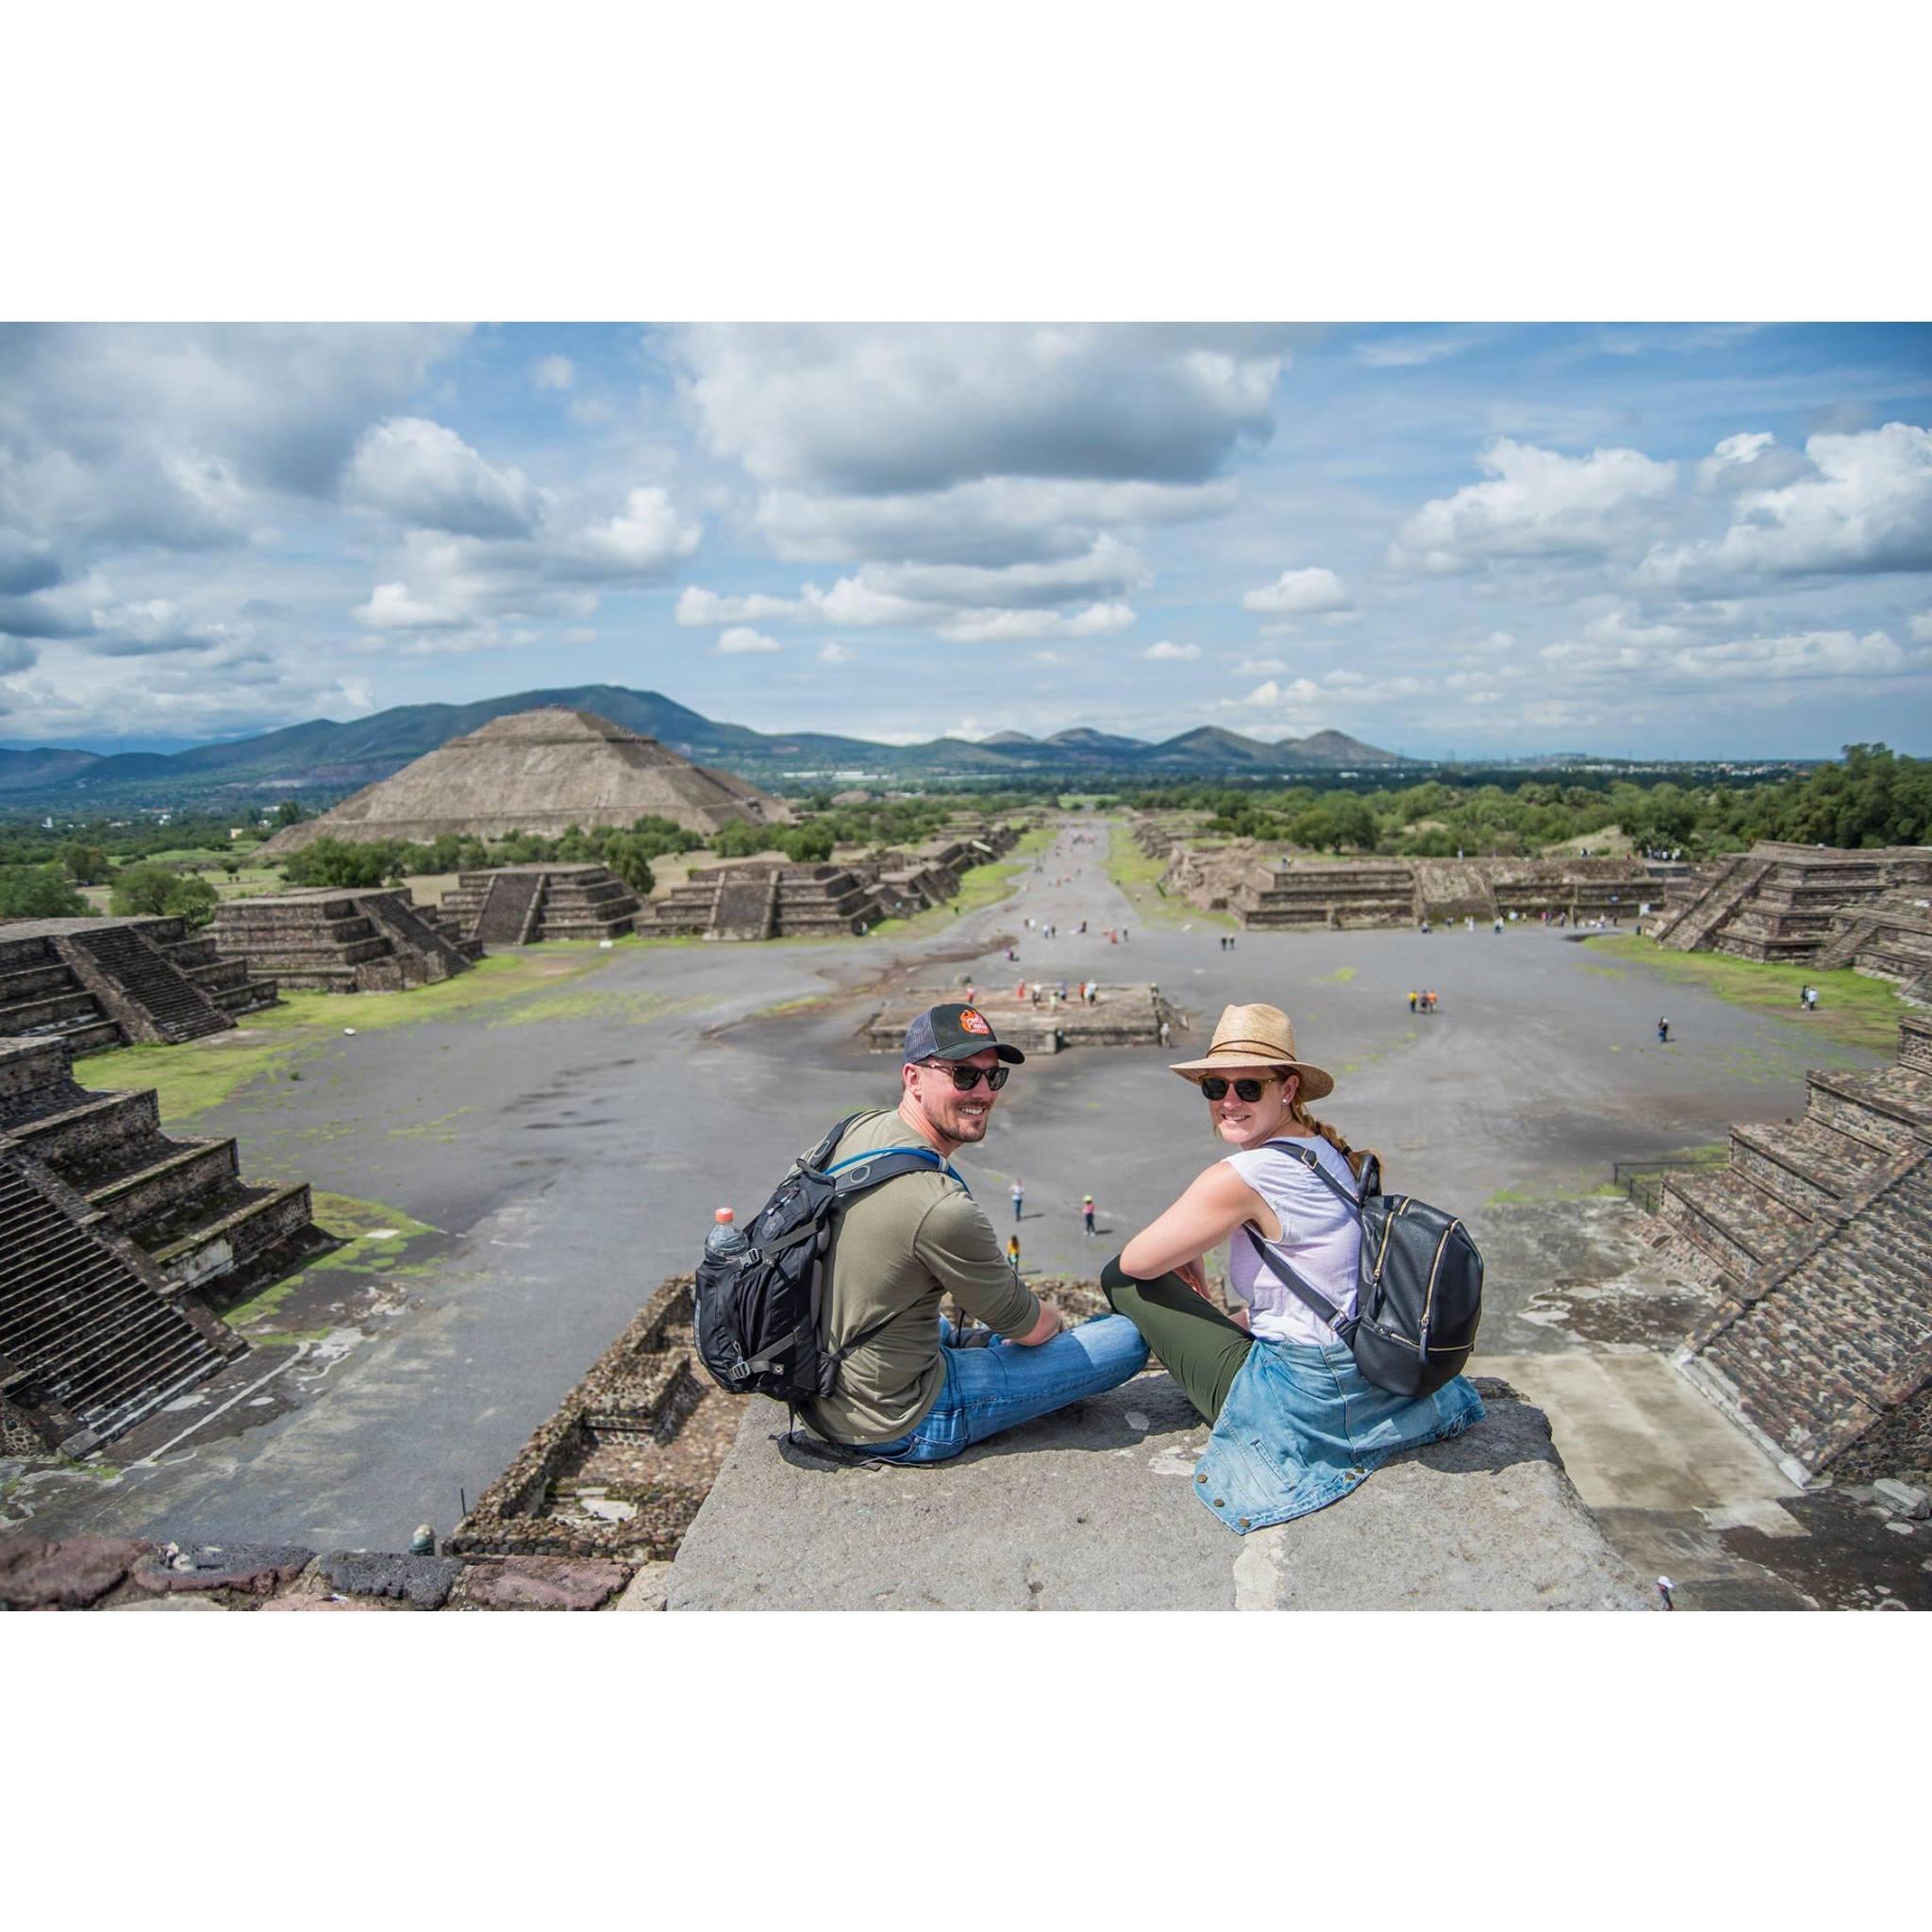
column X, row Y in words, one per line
column 1255, row 1037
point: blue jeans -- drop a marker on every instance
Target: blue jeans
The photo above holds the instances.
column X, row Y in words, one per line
column 1003, row 1384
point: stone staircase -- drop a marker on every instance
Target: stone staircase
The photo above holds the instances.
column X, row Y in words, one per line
column 527, row 905
column 1817, row 1237
column 40, row 998
column 1735, row 881
column 1887, row 938
column 133, row 970
column 180, row 1202
column 509, row 908
column 745, row 910
column 88, row 1345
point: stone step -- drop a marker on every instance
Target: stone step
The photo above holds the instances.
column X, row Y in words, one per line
column 157, row 1183
column 100, row 1129
column 1735, row 1221
column 236, row 1228
column 49, row 1014
column 1808, row 1166
column 40, row 981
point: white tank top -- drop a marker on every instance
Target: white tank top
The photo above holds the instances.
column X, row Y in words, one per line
column 1321, row 1237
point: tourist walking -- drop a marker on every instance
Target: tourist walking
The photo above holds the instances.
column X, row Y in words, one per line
column 1414, row 998
column 1086, row 1213
column 1296, row 1425
column 1663, row 1032
column 1019, row 1193
column 1013, row 1253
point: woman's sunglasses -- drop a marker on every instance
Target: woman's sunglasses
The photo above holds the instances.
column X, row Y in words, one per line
column 1215, row 1088
column 966, row 1078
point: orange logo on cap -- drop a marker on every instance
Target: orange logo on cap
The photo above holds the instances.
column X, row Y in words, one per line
column 971, row 1021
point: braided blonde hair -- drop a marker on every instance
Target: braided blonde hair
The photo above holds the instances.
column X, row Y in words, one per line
column 1304, row 1119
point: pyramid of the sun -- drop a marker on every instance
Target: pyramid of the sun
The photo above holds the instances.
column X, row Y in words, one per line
column 541, row 771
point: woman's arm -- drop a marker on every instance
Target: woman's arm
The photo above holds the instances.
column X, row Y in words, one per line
column 1213, row 1206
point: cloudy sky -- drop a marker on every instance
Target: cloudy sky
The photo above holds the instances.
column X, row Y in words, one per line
column 1665, row 539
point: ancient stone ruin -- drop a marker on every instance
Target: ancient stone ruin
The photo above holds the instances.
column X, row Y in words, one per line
column 102, row 983
column 328, row 940
column 1268, row 892
column 525, row 904
column 1119, row 1016
column 1816, row 1237
column 622, row 1467
column 1806, row 905
column 112, row 1232
column 764, row 899
column 542, row 771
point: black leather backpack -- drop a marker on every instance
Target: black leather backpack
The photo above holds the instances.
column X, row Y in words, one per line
column 1419, row 1291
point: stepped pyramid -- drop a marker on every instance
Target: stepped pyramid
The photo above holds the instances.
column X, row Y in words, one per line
column 110, row 1231
column 1816, row 1237
column 542, row 771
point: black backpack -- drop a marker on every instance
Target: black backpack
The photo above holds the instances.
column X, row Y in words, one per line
column 1418, row 1286
column 757, row 1309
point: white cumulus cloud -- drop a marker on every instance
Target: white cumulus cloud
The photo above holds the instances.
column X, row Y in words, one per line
column 836, row 653
column 1538, row 504
column 555, row 372
column 1166, row 653
column 1300, row 594
column 426, row 476
column 741, row 642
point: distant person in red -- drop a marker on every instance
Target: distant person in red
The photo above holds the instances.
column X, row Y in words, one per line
column 1086, row 1211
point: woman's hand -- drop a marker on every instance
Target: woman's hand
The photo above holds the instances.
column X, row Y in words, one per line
column 1195, row 1276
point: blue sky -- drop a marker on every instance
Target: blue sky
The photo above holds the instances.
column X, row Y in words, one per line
column 1662, row 539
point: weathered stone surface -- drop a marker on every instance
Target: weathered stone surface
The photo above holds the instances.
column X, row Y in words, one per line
column 424, row 1581
column 67, row 1574
column 1092, row 1510
column 542, row 1583
column 300, row 1603
column 256, row 1568
column 173, row 1603
column 648, row 1590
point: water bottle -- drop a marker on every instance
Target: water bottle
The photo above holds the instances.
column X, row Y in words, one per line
column 726, row 1241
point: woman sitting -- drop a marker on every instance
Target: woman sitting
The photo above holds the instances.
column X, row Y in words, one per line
column 1296, row 1425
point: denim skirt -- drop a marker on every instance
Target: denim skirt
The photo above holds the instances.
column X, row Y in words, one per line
column 1302, row 1426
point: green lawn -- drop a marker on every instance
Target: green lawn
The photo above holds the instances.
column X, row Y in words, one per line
column 1137, row 874
column 201, row 1074
column 1852, row 1010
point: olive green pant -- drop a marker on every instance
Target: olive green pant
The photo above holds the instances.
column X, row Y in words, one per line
column 1197, row 1344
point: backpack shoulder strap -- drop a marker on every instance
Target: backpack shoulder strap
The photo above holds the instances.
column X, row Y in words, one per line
column 858, row 1172
column 1308, row 1159
column 1285, row 1274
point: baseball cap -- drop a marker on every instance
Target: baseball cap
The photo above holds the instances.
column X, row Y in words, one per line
column 954, row 1033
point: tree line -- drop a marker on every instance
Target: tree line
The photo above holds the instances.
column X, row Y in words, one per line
column 1875, row 797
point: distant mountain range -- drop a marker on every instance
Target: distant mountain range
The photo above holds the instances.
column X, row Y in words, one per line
column 322, row 757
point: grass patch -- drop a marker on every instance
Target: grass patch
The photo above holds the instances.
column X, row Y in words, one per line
column 985, row 885
column 622, row 1006
column 1341, row 977
column 1138, row 876
column 1852, row 1010
column 203, row 1073
column 376, row 1235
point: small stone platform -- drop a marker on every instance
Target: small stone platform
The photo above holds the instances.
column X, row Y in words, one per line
column 101, row 983
column 525, row 904
column 1092, row 1510
column 326, row 940
column 1128, row 1015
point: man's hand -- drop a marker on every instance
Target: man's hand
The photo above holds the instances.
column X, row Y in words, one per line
column 1045, row 1328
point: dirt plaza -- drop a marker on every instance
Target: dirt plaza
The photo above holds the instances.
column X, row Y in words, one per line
column 520, row 1169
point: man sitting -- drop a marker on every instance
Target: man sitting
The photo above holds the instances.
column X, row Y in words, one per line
column 908, row 1392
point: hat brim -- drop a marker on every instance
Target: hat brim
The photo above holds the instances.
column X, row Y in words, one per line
column 1315, row 1083
column 1012, row 1055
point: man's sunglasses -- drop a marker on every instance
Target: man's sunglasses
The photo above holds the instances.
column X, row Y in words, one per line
column 1215, row 1088
column 966, row 1078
